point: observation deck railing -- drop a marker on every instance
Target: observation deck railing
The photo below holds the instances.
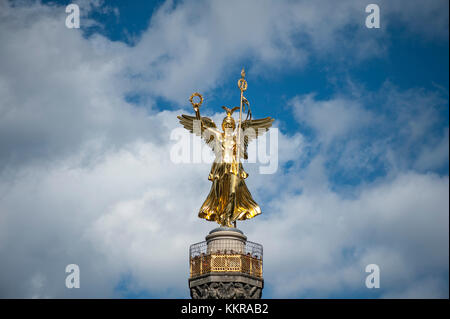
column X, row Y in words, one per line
column 226, row 258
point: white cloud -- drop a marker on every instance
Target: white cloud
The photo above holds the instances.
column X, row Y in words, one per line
column 391, row 129
column 324, row 241
column 60, row 94
column 434, row 156
column 332, row 119
column 197, row 44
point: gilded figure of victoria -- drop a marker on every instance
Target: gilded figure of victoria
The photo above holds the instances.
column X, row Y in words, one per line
column 229, row 198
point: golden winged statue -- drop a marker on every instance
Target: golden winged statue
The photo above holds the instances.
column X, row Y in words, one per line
column 229, row 198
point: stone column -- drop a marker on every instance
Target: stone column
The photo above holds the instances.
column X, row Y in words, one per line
column 226, row 267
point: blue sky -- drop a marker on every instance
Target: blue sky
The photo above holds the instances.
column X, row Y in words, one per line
column 85, row 122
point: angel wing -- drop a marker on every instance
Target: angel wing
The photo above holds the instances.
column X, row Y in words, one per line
column 252, row 129
column 206, row 125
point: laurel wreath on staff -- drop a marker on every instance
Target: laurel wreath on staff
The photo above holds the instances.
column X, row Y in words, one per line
column 196, row 104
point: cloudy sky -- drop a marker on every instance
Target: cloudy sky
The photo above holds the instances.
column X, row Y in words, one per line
column 86, row 117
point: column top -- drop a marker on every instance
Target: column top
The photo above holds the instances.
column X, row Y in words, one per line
column 226, row 229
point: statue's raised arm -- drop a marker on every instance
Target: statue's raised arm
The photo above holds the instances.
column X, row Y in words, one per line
column 201, row 126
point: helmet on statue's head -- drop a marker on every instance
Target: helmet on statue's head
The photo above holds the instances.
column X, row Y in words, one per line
column 228, row 121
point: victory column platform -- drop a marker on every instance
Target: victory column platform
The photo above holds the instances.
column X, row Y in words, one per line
column 226, row 266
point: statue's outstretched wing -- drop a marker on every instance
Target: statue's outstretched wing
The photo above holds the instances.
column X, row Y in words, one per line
column 252, row 129
column 206, row 129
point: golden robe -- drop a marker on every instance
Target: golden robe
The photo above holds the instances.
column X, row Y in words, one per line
column 220, row 205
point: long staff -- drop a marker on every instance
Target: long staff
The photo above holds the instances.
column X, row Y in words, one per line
column 242, row 84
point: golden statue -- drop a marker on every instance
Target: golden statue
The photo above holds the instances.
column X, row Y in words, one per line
column 229, row 198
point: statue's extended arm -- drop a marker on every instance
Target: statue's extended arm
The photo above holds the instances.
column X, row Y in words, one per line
column 211, row 130
column 197, row 113
column 207, row 128
column 206, row 124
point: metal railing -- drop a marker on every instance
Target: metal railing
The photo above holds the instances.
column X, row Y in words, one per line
column 226, row 258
